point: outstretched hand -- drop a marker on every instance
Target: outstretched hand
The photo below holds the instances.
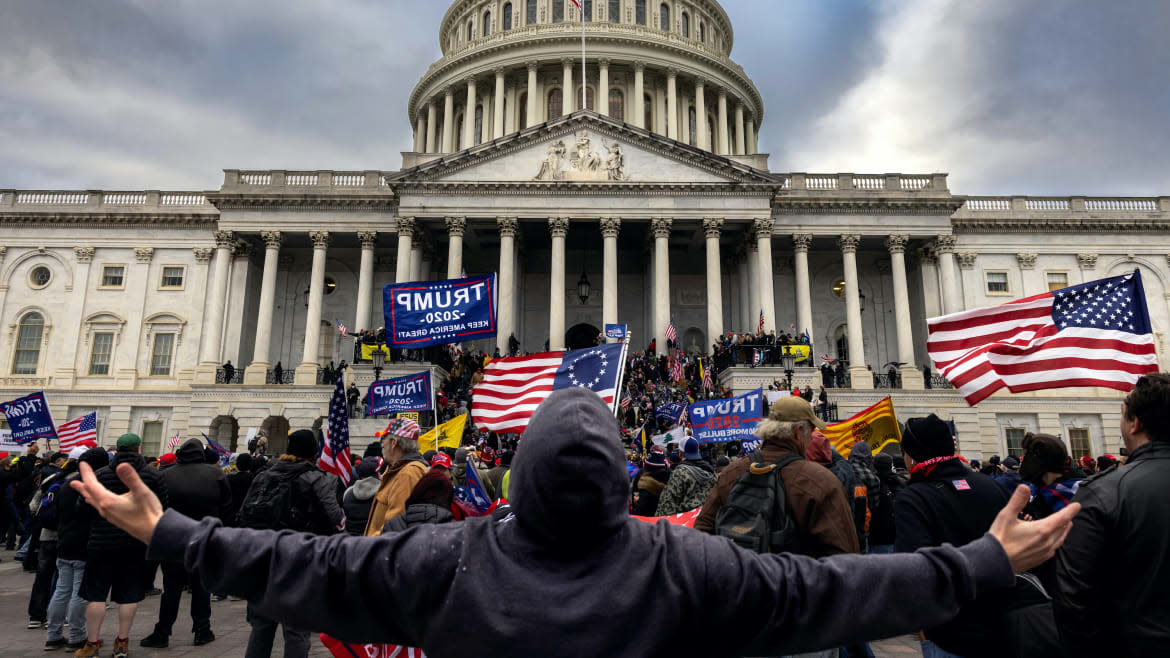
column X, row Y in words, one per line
column 1029, row 544
column 137, row 511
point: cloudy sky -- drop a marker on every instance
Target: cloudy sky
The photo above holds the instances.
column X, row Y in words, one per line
column 1009, row 96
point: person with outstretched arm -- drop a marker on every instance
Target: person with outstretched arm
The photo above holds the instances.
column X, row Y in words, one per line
column 566, row 571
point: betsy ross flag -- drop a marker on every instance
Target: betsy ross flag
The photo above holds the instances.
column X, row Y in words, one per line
column 1093, row 334
column 335, row 454
column 77, row 431
column 513, row 387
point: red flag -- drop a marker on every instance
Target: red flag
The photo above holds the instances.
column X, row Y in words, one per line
column 685, row 519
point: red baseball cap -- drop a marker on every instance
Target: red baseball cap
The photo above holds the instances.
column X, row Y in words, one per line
column 168, row 459
column 441, row 460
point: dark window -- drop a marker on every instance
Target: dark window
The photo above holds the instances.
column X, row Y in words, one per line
column 41, row 276
column 558, row 11
column 648, row 113
column 28, row 345
column 478, row 137
column 693, row 126
column 530, row 13
column 640, row 12
column 112, row 276
column 555, row 104
column 617, row 105
column 487, row 23
column 508, row 16
column 588, row 10
column 172, row 277
column 702, row 33
column 664, row 18
column 523, row 109
column 615, row 11
column 470, row 30
column 589, row 100
column 686, row 25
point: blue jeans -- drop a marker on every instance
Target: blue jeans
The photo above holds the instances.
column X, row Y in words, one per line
column 881, row 549
column 931, row 650
column 66, row 602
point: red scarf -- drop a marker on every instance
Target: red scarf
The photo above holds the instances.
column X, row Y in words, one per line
column 922, row 470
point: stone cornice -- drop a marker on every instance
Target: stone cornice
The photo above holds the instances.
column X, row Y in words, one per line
column 1057, row 224
column 562, row 188
column 162, row 220
column 303, row 202
column 787, row 205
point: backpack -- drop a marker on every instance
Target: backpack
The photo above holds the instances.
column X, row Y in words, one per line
column 47, row 511
column 275, row 502
column 755, row 515
column 861, row 513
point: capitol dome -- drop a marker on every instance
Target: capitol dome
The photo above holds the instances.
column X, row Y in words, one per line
column 511, row 64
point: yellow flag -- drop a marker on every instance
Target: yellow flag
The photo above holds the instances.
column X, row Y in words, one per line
column 877, row 426
column 486, row 360
column 447, row 435
column 645, row 449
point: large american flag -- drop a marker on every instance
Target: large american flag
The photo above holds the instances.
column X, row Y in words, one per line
column 671, row 332
column 512, row 388
column 760, row 327
column 1093, row 334
column 77, row 431
column 335, row 454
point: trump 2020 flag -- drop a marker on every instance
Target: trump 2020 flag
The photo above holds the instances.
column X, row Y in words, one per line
column 1093, row 334
column 29, row 418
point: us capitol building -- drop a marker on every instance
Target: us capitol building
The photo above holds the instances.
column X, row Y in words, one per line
column 652, row 202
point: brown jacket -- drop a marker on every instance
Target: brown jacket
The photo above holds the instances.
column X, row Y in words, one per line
column 815, row 501
column 397, row 483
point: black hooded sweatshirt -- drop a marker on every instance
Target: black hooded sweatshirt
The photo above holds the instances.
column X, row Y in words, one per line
column 197, row 489
column 568, row 573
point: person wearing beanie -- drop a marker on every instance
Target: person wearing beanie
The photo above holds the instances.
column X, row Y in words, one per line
column 311, row 504
column 430, row 502
column 1045, row 469
column 690, row 482
column 883, row 527
column 1010, row 477
column 721, row 463
column 358, row 498
column 649, row 483
column 406, row 468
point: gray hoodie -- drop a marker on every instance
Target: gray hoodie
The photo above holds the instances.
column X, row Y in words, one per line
column 568, row 572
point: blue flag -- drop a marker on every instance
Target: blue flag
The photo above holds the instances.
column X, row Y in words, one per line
column 730, row 419
column 424, row 313
column 616, row 331
column 671, row 411
column 29, row 418
column 473, row 494
column 408, row 393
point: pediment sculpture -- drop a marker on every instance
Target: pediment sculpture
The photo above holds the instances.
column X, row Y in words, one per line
column 582, row 163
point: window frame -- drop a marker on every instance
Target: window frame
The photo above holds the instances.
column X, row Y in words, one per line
column 549, row 116
column 532, row 13
column 162, row 426
column 640, row 12
column 162, row 277
column 1007, row 279
column 1088, row 438
column 587, row 10
column 154, row 354
column 614, row 15
column 685, row 20
column 664, row 17
column 32, row 282
column 558, row 16
column 102, row 281
column 93, row 353
column 17, row 329
column 486, row 23
column 1007, row 442
column 509, row 19
column 1048, row 283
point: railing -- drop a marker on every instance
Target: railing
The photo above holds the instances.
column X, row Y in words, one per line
column 182, row 199
column 124, row 198
column 865, row 182
column 300, row 180
column 349, row 180
column 869, row 182
column 53, row 198
column 1140, row 205
column 256, row 179
column 286, row 377
column 142, row 200
column 821, row 182
column 915, row 183
column 1063, row 204
column 887, row 381
column 221, row 376
column 981, row 205
column 938, row 381
column 1046, row 204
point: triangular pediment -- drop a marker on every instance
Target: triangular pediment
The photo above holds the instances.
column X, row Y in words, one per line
column 584, row 148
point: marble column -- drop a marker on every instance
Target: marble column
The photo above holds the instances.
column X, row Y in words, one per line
column 610, row 227
column 763, row 230
column 712, row 227
column 861, row 376
column 755, row 300
column 740, row 138
column 420, row 133
column 498, row 112
column 455, row 228
column 568, row 90
column 213, row 323
column 432, row 116
column 365, row 291
column 702, row 139
column 911, row 376
column 469, row 115
column 639, row 102
column 801, row 243
column 533, row 97
column 722, row 148
column 405, row 246
column 257, row 372
column 449, row 120
column 307, row 372
column 602, row 101
column 660, row 226
column 952, row 296
column 744, row 320
column 751, row 137
column 558, row 227
column 672, row 105
column 506, row 301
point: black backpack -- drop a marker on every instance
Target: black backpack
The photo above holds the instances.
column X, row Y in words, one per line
column 755, row 515
column 275, row 502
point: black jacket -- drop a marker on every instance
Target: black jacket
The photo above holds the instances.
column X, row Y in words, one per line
column 197, row 489
column 317, row 489
column 356, row 502
column 569, row 555
column 416, row 515
column 239, row 483
column 106, row 539
column 882, row 527
column 73, row 523
column 1112, row 570
column 936, row 510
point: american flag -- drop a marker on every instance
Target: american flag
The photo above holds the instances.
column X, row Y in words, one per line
column 77, row 431
column 707, row 383
column 760, row 329
column 625, row 400
column 174, row 442
column 225, row 455
column 335, row 454
column 342, row 329
column 676, row 371
column 671, row 332
column 513, row 387
column 1093, row 334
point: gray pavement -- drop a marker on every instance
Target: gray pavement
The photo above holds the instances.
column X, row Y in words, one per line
column 227, row 621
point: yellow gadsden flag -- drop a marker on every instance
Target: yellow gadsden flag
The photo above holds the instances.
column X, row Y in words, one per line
column 877, row 426
column 447, row 435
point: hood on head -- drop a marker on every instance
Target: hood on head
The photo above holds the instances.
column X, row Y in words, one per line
column 862, row 454
column 819, row 449
column 191, row 452
column 569, row 484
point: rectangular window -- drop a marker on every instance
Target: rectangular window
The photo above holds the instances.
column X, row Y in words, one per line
column 99, row 358
column 615, row 11
column 1057, row 280
column 160, row 355
column 172, row 277
column 1078, row 440
column 113, row 276
column 152, row 434
column 588, row 9
column 1015, row 440
column 559, row 11
column 997, row 283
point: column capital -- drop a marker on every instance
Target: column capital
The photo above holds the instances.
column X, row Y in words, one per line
column 611, row 226
column 83, row 254
column 532, row 65
column 4, row 252
column 568, row 61
column 368, row 239
column 224, row 239
column 849, row 242
column 896, row 243
column 405, row 225
column 762, row 228
column 722, row 93
column 603, row 62
column 508, row 226
column 639, row 66
column 802, row 241
column 455, row 225
column 202, row 254
column 700, row 83
column 660, row 227
column 320, row 239
column 967, row 259
column 499, row 71
column 558, row 226
column 469, row 81
column 712, row 226
column 927, row 256
column 945, row 244
column 1087, row 261
column 272, row 239
column 1027, row 260
column 144, row 254
column 671, row 73
column 242, row 248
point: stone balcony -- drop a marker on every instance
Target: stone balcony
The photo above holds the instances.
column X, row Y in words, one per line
column 115, row 206
column 1072, row 213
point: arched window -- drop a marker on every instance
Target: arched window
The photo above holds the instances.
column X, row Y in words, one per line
column 617, row 105
column 28, row 344
column 555, row 103
column 487, row 23
column 530, row 13
column 702, row 32
column 640, row 12
column 558, row 11
column 615, row 11
column 522, row 106
column 508, row 16
column 686, row 25
column 470, row 30
column 664, row 17
column 478, row 137
column 648, row 112
column 587, row 7
column 693, row 126
column 589, row 99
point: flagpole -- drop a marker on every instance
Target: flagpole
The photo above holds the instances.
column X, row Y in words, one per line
column 583, row 107
column 617, row 403
column 434, row 405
